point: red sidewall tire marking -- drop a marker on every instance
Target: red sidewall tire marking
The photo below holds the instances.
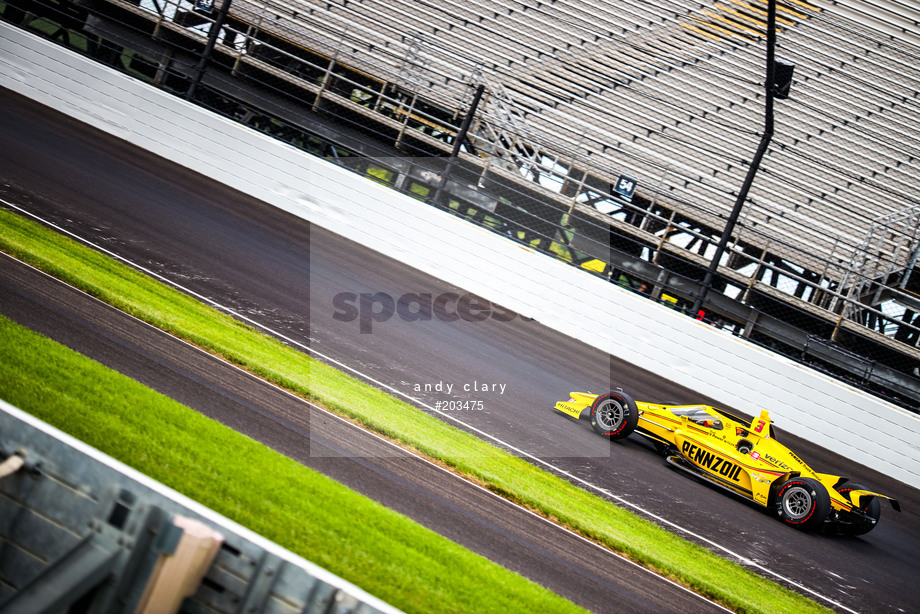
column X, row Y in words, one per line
column 623, row 405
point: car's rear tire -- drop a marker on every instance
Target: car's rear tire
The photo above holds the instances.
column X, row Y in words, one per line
column 859, row 526
column 614, row 415
column 803, row 503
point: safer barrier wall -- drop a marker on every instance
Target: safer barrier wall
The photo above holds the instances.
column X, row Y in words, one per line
column 716, row 364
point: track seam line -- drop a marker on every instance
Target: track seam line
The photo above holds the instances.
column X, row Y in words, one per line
column 558, row 471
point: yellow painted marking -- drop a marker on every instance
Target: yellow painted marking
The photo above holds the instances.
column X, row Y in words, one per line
column 419, row 119
column 720, row 29
column 594, row 265
column 761, row 25
column 764, row 13
column 733, row 24
column 762, row 30
column 699, row 31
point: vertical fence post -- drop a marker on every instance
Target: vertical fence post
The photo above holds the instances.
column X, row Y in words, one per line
column 461, row 136
column 326, row 79
column 406, row 118
column 213, row 33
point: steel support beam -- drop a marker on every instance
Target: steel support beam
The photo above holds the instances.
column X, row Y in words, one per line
column 64, row 581
column 213, row 33
column 458, row 142
column 770, row 91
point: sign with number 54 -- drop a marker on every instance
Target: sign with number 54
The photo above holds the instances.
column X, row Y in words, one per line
column 625, row 186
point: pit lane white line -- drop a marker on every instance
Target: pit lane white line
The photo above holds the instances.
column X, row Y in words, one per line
column 536, row 460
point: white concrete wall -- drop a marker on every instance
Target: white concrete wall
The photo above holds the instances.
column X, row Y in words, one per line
column 714, row 363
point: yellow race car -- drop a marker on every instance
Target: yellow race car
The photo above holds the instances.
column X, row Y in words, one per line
column 740, row 456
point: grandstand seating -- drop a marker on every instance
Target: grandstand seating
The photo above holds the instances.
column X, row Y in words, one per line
column 669, row 92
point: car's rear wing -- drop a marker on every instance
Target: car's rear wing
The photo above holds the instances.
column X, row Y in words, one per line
column 858, row 497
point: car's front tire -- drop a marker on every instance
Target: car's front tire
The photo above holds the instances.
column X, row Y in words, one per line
column 803, row 503
column 614, row 415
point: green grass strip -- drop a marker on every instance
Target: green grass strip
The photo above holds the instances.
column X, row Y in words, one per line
column 623, row 531
column 374, row 547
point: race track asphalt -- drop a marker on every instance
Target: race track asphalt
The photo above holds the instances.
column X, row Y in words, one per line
column 286, row 274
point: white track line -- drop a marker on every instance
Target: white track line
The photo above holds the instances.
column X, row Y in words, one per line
column 534, row 459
